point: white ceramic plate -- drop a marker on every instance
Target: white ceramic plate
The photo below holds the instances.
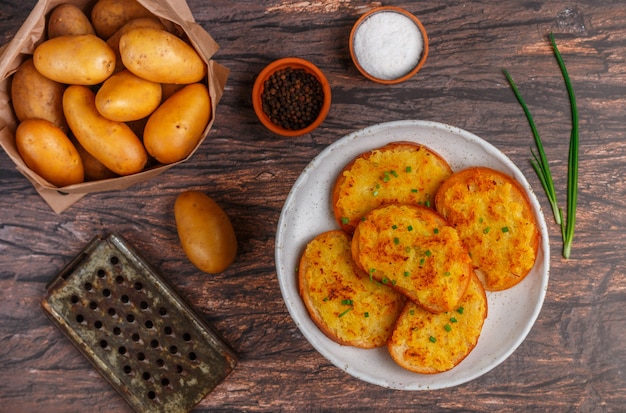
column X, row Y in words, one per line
column 307, row 213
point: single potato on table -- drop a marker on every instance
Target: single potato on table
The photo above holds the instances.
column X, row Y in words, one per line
column 205, row 232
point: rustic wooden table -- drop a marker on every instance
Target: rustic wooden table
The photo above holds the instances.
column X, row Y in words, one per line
column 574, row 358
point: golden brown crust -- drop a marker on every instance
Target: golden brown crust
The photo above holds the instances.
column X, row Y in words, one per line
column 343, row 302
column 413, row 249
column 399, row 172
column 429, row 343
column 494, row 218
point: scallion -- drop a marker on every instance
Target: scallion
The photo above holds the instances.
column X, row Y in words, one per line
column 540, row 162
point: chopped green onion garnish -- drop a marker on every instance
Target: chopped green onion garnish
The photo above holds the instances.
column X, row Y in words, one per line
column 346, row 302
column 394, row 227
column 436, row 230
column 366, row 314
column 345, row 312
column 408, row 169
column 505, row 229
column 409, row 228
column 453, row 320
column 345, row 220
column 414, row 191
column 428, row 253
column 406, row 273
column 432, row 339
column 486, row 230
column 396, row 240
column 460, row 310
column 447, row 327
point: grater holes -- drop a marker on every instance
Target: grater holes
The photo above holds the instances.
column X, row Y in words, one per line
column 74, row 299
column 135, row 337
column 106, row 292
column 127, row 369
column 165, row 382
column 98, row 324
column 130, row 318
column 111, row 311
column 149, row 324
column 125, row 299
column 122, row 350
column 119, row 279
column 138, row 286
column 143, row 305
column 187, row 337
column 167, row 330
column 101, row 273
column 88, row 286
column 93, row 305
column 117, row 331
column 151, row 395
column 160, row 362
column 80, row 318
column 141, row 356
column 114, row 260
column 146, row 375
column 193, row 356
column 154, row 343
column 104, row 343
column 163, row 311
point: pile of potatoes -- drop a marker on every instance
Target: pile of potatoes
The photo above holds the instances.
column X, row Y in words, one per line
column 108, row 95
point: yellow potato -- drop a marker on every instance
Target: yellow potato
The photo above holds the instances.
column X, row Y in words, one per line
column 112, row 143
column 48, row 152
column 35, row 96
column 67, row 19
column 107, row 16
column 114, row 41
column 82, row 59
column 176, row 127
column 125, row 97
column 94, row 169
column 205, row 232
column 161, row 57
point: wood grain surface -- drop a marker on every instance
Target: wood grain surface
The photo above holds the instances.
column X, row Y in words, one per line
column 574, row 358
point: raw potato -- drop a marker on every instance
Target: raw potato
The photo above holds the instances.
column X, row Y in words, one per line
column 205, row 232
column 94, row 169
column 176, row 127
column 112, row 143
column 35, row 96
column 82, row 59
column 126, row 97
column 161, row 57
column 114, row 41
column 67, row 19
column 48, row 151
column 107, row 16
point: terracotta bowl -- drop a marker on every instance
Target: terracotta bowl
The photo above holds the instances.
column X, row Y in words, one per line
column 294, row 63
column 389, row 9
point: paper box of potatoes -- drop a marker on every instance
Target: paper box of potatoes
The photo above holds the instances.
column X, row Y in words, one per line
column 98, row 95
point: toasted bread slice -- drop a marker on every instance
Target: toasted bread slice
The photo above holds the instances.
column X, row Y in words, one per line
column 345, row 304
column 495, row 220
column 413, row 249
column 399, row 172
column 428, row 343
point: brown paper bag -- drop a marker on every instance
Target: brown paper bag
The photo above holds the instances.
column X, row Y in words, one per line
column 175, row 14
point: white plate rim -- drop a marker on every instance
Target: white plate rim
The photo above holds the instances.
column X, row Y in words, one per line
column 375, row 366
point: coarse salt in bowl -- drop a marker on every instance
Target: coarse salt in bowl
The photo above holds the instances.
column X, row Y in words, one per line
column 388, row 45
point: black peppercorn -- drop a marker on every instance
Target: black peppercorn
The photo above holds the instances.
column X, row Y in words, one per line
column 292, row 98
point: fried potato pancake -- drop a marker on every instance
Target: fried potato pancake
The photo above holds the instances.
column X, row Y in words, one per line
column 493, row 216
column 428, row 343
column 414, row 250
column 399, row 172
column 343, row 302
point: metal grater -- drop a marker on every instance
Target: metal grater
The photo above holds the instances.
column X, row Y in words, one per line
column 137, row 331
